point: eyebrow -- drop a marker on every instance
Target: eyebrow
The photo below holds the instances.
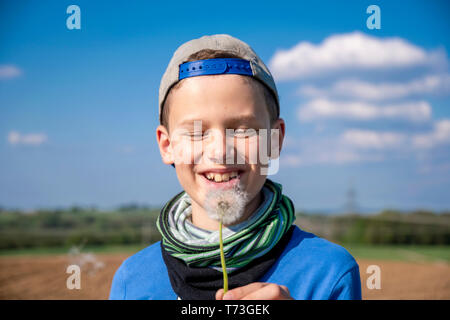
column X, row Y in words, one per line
column 247, row 119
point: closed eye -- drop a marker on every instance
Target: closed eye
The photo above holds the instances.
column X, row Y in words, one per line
column 195, row 135
column 244, row 133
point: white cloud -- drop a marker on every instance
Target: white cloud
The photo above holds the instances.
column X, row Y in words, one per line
column 328, row 151
column 338, row 157
column 9, row 72
column 357, row 89
column 356, row 98
column 438, row 136
column 369, row 139
column 350, row 51
column 34, row 139
column 360, row 110
column 291, row 160
column 358, row 145
column 328, row 157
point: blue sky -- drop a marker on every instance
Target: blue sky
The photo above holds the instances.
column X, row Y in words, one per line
column 363, row 108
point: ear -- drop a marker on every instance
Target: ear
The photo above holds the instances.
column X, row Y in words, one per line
column 281, row 126
column 165, row 148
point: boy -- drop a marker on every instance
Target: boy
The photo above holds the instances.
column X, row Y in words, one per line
column 212, row 86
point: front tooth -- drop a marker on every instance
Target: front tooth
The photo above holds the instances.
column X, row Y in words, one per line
column 217, row 177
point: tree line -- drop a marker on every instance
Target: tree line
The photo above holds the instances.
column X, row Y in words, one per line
column 133, row 224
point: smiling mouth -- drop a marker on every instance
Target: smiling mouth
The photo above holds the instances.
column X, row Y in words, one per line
column 222, row 177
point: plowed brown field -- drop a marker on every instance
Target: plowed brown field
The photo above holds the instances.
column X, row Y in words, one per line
column 44, row 277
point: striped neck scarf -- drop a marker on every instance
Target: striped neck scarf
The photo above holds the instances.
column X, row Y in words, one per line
column 243, row 242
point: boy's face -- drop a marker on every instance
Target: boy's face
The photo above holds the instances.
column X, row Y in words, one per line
column 200, row 112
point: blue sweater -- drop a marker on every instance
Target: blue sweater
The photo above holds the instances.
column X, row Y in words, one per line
column 311, row 267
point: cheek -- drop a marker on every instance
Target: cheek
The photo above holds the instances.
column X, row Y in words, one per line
column 248, row 150
column 186, row 179
column 253, row 149
column 186, row 151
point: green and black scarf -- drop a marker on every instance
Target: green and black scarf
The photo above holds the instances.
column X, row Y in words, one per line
column 192, row 255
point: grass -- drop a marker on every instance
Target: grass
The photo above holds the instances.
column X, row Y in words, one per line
column 383, row 252
column 127, row 249
column 412, row 253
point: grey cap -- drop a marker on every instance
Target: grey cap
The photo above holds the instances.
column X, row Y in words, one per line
column 223, row 42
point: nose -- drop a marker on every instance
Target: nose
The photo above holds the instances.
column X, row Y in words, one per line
column 219, row 147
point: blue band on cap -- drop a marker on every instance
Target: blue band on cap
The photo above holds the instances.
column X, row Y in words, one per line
column 215, row 66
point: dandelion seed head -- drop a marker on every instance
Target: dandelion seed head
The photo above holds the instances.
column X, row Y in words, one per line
column 226, row 205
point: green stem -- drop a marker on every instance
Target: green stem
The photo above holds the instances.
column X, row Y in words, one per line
column 222, row 260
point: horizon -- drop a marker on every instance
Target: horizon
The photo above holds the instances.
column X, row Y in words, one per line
column 143, row 206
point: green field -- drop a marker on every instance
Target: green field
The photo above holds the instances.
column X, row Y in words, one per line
column 126, row 249
column 384, row 252
column 401, row 252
